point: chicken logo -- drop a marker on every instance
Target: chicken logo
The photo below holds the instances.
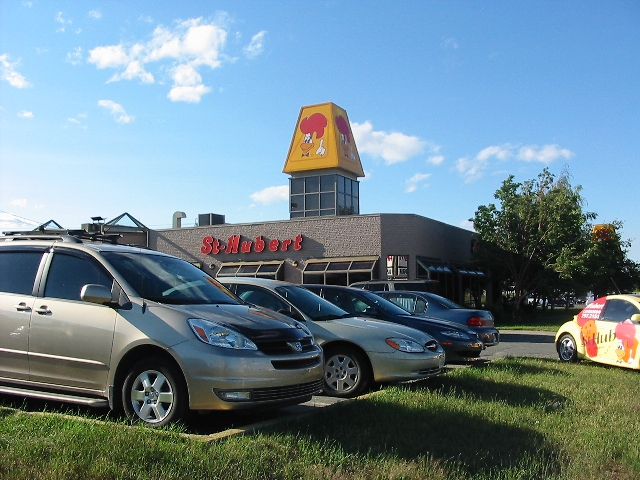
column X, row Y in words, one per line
column 627, row 342
column 588, row 330
column 322, row 140
column 314, row 124
column 345, row 137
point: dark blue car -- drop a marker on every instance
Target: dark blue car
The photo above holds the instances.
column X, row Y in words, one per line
column 461, row 344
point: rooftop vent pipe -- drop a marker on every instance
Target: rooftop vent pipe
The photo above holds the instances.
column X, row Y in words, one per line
column 177, row 217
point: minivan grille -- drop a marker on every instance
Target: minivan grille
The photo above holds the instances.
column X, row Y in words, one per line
column 281, row 347
column 296, row 363
column 283, row 393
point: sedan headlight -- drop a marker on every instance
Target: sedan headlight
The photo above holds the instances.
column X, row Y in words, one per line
column 219, row 335
column 455, row 334
column 405, row 345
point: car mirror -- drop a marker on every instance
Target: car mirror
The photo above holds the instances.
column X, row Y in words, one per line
column 93, row 293
column 371, row 312
column 635, row 317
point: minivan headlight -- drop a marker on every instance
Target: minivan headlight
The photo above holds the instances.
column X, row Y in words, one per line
column 405, row 345
column 219, row 335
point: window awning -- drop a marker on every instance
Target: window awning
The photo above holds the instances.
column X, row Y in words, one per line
column 433, row 267
column 341, row 265
column 250, row 269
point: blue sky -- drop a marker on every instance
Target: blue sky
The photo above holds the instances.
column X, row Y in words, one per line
column 153, row 107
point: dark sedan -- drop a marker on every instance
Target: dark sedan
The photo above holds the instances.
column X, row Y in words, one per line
column 461, row 344
column 435, row 306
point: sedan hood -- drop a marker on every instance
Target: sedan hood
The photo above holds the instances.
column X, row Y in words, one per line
column 256, row 323
column 385, row 328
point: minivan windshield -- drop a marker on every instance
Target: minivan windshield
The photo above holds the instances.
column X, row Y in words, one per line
column 166, row 279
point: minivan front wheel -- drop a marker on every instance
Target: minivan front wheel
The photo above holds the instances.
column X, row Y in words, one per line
column 346, row 372
column 154, row 393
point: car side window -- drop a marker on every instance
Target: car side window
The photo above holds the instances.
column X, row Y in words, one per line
column 406, row 302
column 340, row 299
column 260, row 297
column 69, row 273
column 18, row 271
column 618, row 310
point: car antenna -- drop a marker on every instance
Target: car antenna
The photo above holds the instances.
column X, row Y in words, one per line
column 615, row 285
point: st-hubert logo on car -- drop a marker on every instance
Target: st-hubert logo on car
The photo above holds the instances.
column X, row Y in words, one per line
column 295, row 346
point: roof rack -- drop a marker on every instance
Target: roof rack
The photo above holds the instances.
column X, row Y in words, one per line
column 69, row 236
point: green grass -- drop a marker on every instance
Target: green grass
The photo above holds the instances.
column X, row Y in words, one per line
column 538, row 319
column 511, row 419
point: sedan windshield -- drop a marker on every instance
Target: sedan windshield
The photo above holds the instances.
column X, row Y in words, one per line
column 310, row 304
column 165, row 279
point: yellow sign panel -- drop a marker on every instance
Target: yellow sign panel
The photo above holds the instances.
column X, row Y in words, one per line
column 322, row 140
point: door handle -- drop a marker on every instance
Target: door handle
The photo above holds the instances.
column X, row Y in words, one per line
column 43, row 310
column 23, row 307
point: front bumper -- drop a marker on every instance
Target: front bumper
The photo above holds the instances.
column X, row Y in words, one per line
column 400, row 366
column 225, row 379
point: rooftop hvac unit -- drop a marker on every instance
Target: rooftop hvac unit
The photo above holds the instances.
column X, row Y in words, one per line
column 91, row 227
column 205, row 219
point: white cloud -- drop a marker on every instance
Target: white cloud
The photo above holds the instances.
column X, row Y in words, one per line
column 8, row 73
column 25, row 114
column 187, row 93
column 467, row 225
column 112, row 56
column 62, row 21
column 546, row 154
column 96, row 14
column 27, row 4
column 473, row 169
column 116, row 110
column 500, row 152
column 75, row 57
column 191, row 44
column 435, row 160
column 271, row 195
column 393, row 147
column 256, row 46
column 19, row 202
column 414, row 182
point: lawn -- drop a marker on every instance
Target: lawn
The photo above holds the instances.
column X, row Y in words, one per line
column 510, row 419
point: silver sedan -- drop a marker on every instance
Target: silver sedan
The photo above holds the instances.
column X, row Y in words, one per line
column 358, row 351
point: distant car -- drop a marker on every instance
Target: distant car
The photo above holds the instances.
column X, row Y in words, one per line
column 461, row 344
column 605, row 331
column 390, row 285
column 357, row 351
column 432, row 305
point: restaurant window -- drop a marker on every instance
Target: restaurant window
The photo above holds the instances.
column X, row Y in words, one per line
column 339, row 271
column 272, row 270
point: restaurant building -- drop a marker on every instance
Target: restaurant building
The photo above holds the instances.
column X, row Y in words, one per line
column 326, row 239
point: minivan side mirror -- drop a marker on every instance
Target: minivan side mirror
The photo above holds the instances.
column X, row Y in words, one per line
column 94, row 293
column 635, row 317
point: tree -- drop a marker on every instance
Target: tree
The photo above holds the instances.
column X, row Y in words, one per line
column 537, row 231
column 604, row 266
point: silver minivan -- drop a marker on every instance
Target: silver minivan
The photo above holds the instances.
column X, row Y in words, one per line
column 100, row 324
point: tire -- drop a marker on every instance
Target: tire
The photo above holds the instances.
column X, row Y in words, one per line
column 154, row 393
column 567, row 349
column 346, row 372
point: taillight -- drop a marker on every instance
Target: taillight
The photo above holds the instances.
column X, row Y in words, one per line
column 476, row 321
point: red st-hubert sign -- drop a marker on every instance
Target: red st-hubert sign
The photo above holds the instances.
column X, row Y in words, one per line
column 235, row 244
